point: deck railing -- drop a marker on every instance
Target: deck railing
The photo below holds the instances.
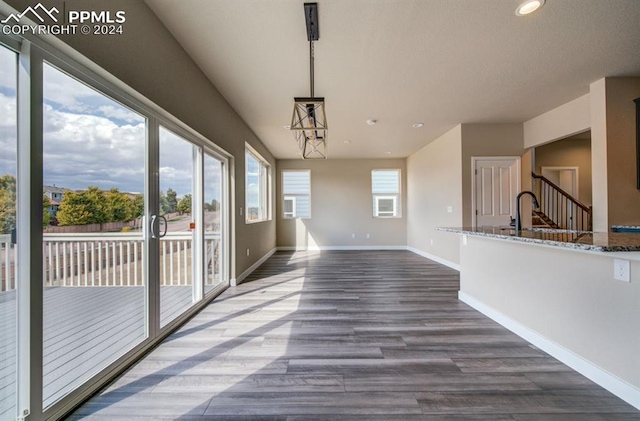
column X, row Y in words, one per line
column 112, row 259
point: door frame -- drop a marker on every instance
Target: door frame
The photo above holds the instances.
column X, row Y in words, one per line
column 576, row 172
column 33, row 53
column 474, row 162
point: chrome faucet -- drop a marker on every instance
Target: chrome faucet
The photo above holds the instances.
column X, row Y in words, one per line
column 518, row 226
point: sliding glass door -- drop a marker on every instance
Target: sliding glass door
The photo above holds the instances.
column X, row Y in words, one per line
column 93, row 232
column 178, row 237
column 8, row 221
column 214, row 223
column 124, row 229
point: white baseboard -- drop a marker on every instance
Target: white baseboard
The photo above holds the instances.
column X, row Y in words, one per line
column 243, row 275
column 329, row 248
column 613, row 384
column 440, row 260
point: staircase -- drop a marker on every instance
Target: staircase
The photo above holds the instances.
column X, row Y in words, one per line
column 558, row 209
column 540, row 220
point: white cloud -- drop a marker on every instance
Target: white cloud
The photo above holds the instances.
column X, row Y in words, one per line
column 82, row 150
column 8, row 72
column 91, row 140
column 8, row 135
column 120, row 113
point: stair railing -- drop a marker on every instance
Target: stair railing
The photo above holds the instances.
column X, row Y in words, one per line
column 559, row 206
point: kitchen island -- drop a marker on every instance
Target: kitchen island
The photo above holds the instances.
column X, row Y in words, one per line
column 557, row 289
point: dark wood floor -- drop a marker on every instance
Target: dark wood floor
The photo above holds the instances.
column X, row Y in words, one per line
column 350, row 335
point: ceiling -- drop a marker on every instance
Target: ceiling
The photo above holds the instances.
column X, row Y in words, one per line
column 438, row 62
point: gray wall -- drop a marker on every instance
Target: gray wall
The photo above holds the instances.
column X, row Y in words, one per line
column 434, row 178
column 440, row 175
column 569, row 153
column 487, row 140
column 148, row 59
column 341, row 205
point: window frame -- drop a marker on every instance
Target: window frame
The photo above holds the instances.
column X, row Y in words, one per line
column 396, row 196
column 264, row 185
column 292, row 214
column 377, row 212
column 294, row 196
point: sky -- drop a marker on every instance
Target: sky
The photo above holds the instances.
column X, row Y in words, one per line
column 92, row 140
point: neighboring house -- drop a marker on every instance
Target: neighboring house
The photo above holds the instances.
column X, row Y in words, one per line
column 55, row 195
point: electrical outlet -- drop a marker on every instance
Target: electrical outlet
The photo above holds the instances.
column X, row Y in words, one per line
column 353, row 236
column 368, row 235
column 449, row 209
column 432, row 241
column 621, row 270
column 247, row 252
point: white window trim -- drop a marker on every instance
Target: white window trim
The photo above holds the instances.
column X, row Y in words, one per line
column 397, row 203
column 265, row 193
column 292, row 214
column 293, row 196
column 386, row 197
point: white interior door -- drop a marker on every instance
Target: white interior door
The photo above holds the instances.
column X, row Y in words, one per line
column 497, row 183
column 564, row 177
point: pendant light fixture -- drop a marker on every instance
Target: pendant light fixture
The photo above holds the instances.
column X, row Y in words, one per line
column 309, row 120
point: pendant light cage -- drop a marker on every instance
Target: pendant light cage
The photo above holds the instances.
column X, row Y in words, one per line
column 309, row 127
column 309, row 119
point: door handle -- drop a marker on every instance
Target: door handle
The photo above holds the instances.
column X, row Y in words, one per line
column 164, row 222
column 156, row 233
column 152, row 226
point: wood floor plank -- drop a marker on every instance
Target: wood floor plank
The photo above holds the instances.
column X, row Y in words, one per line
column 349, row 335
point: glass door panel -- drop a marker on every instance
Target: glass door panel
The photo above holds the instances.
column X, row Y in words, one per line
column 8, row 220
column 94, row 248
column 213, row 224
column 177, row 246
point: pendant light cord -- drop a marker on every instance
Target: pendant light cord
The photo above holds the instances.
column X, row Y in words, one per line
column 311, row 57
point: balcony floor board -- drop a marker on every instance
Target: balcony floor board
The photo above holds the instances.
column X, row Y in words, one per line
column 85, row 329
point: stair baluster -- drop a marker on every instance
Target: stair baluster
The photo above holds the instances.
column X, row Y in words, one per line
column 558, row 209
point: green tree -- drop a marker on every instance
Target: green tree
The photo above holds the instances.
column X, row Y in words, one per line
column 215, row 205
column 99, row 205
column 172, row 200
column 184, row 206
column 76, row 209
column 136, row 207
column 7, row 203
column 46, row 217
column 164, row 205
column 118, row 206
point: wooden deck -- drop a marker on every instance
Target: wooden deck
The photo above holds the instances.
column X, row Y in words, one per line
column 345, row 336
column 85, row 328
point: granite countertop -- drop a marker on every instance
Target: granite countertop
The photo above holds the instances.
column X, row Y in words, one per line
column 578, row 240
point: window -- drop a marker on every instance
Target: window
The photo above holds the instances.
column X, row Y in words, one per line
column 296, row 191
column 385, row 186
column 257, row 191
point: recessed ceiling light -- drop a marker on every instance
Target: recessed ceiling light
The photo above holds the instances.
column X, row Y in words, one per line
column 372, row 122
column 417, row 125
column 287, row 127
column 347, row 141
column 387, row 153
column 529, row 6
